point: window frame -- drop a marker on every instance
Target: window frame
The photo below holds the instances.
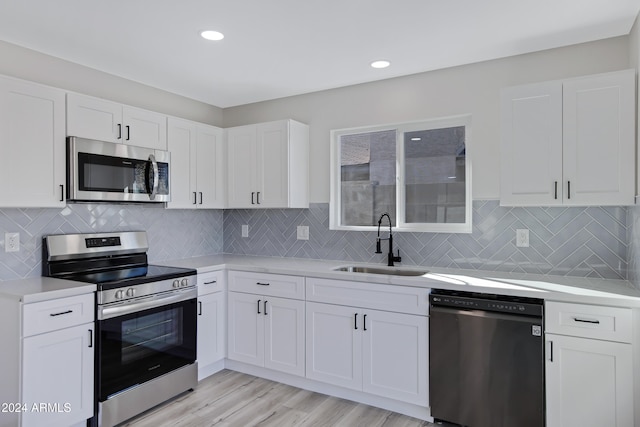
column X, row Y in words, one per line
column 401, row 225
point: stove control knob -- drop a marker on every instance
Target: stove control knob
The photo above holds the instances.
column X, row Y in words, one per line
column 176, row 283
column 119, row 294
column 131, row 292
column 185, row 282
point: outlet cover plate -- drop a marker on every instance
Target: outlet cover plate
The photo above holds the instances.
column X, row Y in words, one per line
column 522, row 238
column 245, row 231
column 303, row 232
column 11, row 242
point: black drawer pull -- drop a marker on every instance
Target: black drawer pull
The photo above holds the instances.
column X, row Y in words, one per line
column 595, row 322
column 210, row 283
column 61, row 313
column 262, row 284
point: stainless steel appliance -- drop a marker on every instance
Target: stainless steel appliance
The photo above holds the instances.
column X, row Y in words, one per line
column 145, row 320
column 486, row 360
column 104, row 171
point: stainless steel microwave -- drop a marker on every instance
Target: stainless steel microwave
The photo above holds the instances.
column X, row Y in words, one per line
column 109, row 172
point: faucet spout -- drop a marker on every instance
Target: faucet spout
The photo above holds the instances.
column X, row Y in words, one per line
column 390, row 257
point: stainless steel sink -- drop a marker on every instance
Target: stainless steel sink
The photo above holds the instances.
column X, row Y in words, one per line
column 392, row 271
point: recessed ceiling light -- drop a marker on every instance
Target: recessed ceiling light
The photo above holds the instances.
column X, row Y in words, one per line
column 212, row 35
column 416, row 139
column 380, row 64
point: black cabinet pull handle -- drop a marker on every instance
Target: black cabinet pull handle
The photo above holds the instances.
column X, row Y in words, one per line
column 119, row 131
column 592, row 321
column 128, row 132
column 265, row 307
column 258, row 197
column 555, row 190
column 252, row 202
column 262, row 284
column 259, row 306
column 568, row 189
column 90, row 338
column 355, row 321
column 194, row 198
column 199, row 308
column 61, row 193
column 364, row 322
column 61, row 313
column 210, row 283
column 200, row 197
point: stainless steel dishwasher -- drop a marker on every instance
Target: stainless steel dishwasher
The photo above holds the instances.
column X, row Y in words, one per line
column 486, row 359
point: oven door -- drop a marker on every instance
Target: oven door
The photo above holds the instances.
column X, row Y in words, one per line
column 141, row 345
column 104, row 171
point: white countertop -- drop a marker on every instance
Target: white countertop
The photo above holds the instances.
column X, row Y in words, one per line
column 554, row 288
column 42, row 289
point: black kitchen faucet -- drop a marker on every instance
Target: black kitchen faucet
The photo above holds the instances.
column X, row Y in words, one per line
column 391, row 258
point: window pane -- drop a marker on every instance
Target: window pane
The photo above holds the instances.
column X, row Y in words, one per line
column 368, row 177
column 435, row 175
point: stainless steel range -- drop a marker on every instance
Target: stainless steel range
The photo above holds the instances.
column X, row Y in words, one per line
column 145, row 319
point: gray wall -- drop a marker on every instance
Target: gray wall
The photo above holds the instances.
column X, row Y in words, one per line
column 30, row 65
column 466, row 89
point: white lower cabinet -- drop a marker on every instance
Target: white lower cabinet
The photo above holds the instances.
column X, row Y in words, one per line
column 589, row 380
column 266, row 331
column 589, row 383
column 378, row 352
column 211, row 337
column 57, row 377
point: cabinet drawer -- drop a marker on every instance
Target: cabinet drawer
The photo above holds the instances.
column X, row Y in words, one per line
column 401, row 299
column 276, row 285
column 56, row 314
column 209, row 282
column 589, row 321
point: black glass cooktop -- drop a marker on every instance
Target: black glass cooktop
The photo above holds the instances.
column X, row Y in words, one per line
column 121, row 277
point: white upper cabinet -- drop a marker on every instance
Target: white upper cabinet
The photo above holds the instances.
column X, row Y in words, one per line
column 197, row 165
column 32, row 145
column 569, row 142
column 95, row 118
column 268, row 165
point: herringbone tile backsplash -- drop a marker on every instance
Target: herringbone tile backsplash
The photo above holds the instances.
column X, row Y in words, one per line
column 172, row 234
column 585, row 242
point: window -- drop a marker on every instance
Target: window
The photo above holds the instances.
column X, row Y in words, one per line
column 419, row 173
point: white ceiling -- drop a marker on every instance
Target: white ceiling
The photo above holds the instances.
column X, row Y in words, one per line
column 278, row 48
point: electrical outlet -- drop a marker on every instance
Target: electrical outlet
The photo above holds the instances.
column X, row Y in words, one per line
column 522, row 238
column 11, row 242
column 245, row 231
column 303, row 232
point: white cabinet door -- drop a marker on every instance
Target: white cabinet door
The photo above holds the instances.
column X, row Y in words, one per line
column 246, row 328
column 211, row 332
column 599, row 139
column 181, row 135
column 58, row 370
column 197, row 165
column 242, row 173
column 144, row 128
column 284, row 335
column 589, row 383
column 569, row 142
column 32, row 145
column 388, row 371
column 268, row 165
column 272, row 165
column 334, row 345
column 94, row 118
column 531, row 145
column 209, row 166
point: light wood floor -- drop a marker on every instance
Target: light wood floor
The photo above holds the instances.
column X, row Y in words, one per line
column 232, row 399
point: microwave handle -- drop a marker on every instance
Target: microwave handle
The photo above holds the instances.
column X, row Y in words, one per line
column 156, row 178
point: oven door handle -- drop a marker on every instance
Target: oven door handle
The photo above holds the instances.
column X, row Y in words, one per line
column 145, row 303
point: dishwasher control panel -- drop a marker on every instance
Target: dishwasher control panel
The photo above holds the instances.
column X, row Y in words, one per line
column 487, row 302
